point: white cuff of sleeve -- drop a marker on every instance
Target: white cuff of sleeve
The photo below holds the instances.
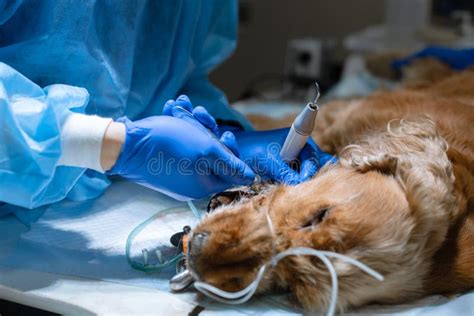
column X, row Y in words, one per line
column 81, row 141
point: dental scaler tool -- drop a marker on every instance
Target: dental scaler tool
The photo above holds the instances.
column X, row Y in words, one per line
column 300, row 130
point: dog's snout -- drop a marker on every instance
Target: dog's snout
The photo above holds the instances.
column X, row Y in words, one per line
column 196, row 243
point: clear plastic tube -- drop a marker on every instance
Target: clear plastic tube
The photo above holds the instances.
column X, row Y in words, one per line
column 162, row 262
column 145, row 266
column 244, row 295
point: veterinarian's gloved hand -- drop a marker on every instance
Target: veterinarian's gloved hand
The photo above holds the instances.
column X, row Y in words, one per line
column 456, row 58
column 261, row 149
column 179, row 158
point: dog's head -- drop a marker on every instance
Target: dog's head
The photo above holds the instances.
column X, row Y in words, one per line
column 386, row 203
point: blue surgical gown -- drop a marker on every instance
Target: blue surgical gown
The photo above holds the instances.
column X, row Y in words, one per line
column 110, row 58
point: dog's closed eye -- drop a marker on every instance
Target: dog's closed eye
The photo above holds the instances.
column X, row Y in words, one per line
column 317, row 217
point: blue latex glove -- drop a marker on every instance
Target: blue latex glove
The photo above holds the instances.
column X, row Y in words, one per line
column 179, row 158
column 456, row 58
column 261, row 149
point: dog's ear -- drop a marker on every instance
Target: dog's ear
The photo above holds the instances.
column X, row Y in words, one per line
column 414, row 153
column 408, row 142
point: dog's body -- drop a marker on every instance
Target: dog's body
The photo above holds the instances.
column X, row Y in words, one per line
column 450, row 104
column 400, row 200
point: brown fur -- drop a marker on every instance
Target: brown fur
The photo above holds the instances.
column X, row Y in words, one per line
column 400, row 199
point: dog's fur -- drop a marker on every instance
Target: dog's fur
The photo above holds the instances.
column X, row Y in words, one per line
column 400, row 199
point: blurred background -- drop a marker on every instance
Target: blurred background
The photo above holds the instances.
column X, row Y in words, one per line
column 267, row 27
column 347, row 46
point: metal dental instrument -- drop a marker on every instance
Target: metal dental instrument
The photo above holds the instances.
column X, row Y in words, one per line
column 181, row 281
column 300, row 130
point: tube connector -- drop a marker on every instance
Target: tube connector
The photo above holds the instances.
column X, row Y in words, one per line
column 145, row 256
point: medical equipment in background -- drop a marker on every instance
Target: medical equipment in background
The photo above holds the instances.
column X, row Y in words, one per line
column 306, row 60
column 300, row 130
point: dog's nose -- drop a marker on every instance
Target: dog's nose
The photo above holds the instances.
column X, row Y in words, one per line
column 196, row 243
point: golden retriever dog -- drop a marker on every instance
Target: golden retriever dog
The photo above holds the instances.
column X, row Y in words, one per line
column 400, row 199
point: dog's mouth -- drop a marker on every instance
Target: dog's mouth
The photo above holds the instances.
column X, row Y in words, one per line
column 239, row 194
column 228, row 197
